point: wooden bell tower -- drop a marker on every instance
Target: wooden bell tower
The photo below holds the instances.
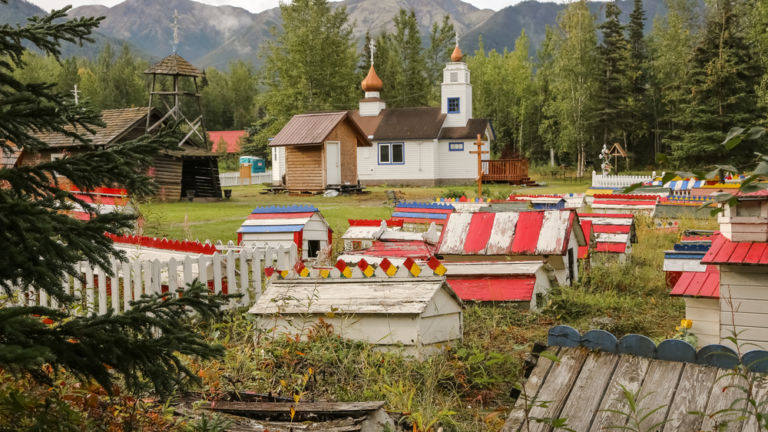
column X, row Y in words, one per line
column 167, row 95
column 192, row 171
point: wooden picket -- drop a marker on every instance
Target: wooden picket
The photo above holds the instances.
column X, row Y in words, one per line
column 234, row 271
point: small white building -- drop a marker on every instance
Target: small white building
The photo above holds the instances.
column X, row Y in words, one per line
column 425, row 145
column 740, row 252
column 416, row 313
column 277, row 226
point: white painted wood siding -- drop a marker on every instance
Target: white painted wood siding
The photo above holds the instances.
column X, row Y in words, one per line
column 705, row 314
column 458, row 164
column 743, row 300
column 418, row 157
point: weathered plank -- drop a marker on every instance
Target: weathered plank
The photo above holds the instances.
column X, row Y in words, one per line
column 726, row 402
column 760, row 397
column 629, row 373
column 692, row 395
column 589, row 389
column 657, row 391
column 337, row 408
column 455, row 234
column 554, row 392
column 530, row 391
column 502, row 233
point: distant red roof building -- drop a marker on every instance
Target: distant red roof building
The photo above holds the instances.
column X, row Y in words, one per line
column 230, row 138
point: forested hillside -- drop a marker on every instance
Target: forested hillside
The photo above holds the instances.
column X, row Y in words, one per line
column 595, row 80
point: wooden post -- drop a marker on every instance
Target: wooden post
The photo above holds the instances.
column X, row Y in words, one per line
column 479, row 152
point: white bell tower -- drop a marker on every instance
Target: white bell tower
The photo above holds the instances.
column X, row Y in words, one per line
column 456, row 91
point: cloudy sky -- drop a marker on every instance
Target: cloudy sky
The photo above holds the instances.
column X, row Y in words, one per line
column 251, row 5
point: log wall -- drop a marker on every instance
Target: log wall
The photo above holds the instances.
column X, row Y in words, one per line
column 304, row 170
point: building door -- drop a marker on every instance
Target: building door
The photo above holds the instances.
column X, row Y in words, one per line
column 332, row 163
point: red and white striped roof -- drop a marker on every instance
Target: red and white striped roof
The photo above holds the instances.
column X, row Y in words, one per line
column 613, row 203
column 613, row 233
column 724, row 251
column 546, row 232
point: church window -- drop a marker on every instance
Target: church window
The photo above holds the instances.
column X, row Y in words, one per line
column 391, row 153
column 454, row 76
column 456, row 146
column 453, row 105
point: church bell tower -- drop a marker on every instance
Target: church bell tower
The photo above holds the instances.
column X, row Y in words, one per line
column 456, row 91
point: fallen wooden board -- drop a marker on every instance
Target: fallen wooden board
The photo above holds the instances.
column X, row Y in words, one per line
column 266, row 408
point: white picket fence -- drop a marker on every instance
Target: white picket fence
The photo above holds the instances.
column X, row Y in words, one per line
column 233, row 179
column 233, row 272
column 618, row 181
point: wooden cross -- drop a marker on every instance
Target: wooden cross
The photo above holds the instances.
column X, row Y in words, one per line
column 479, row 152
column 175, row 26
column 76, row 92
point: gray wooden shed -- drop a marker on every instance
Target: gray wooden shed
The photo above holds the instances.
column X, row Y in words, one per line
column 417, row 313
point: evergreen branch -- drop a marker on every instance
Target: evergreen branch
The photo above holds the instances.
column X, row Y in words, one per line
column 141, row 344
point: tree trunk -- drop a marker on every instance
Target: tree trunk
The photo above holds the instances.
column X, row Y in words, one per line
column 551, row 157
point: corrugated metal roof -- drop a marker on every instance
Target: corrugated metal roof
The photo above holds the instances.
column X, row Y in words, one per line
column 174, row 64
column 350, row 296
column 698, row 284
column 510, row 233
column 313, row 129
column 117, row 123
column 724, row 251
column 493, row 288
column 308, row 129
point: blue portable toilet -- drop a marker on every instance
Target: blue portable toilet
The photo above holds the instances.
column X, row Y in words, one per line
column 258, row 165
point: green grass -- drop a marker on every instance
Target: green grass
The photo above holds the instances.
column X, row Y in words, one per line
column 465, row 387
column 220, row 220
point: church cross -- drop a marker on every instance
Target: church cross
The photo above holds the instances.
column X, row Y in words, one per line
column 457, row 38
column 175, row 26
column 479, row 152
column 372, row 46
column 76, row 92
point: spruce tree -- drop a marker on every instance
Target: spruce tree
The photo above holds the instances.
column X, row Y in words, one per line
column 638, row 104
column 722, row 80
column 39, row 243
column 403, row 66
column 614, row 59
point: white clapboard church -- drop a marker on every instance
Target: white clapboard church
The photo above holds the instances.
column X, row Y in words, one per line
column 423, row 145
column 414, row 146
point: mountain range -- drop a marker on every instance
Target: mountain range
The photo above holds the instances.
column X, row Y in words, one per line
column 215, row 35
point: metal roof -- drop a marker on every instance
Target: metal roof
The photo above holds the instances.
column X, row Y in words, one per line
column 313, row 129
column 724, row 251
column 350, row 296
column 698, row 284
column 494, row 288
column 510, row 233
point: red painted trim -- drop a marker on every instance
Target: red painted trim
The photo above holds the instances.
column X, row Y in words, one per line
column 494, row 289
column 174, row 245
column 611, row 247
column 422, row 210
column 624, row 202
column 298, row 240
column 421, row 221
column 330, row 237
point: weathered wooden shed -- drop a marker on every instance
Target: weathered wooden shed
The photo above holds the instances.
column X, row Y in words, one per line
column 320, row 151
column 675, row 387
column 300, row 225
column 415, row 313
column 550, row 235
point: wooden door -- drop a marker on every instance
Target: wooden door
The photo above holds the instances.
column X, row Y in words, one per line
column 332, row 163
